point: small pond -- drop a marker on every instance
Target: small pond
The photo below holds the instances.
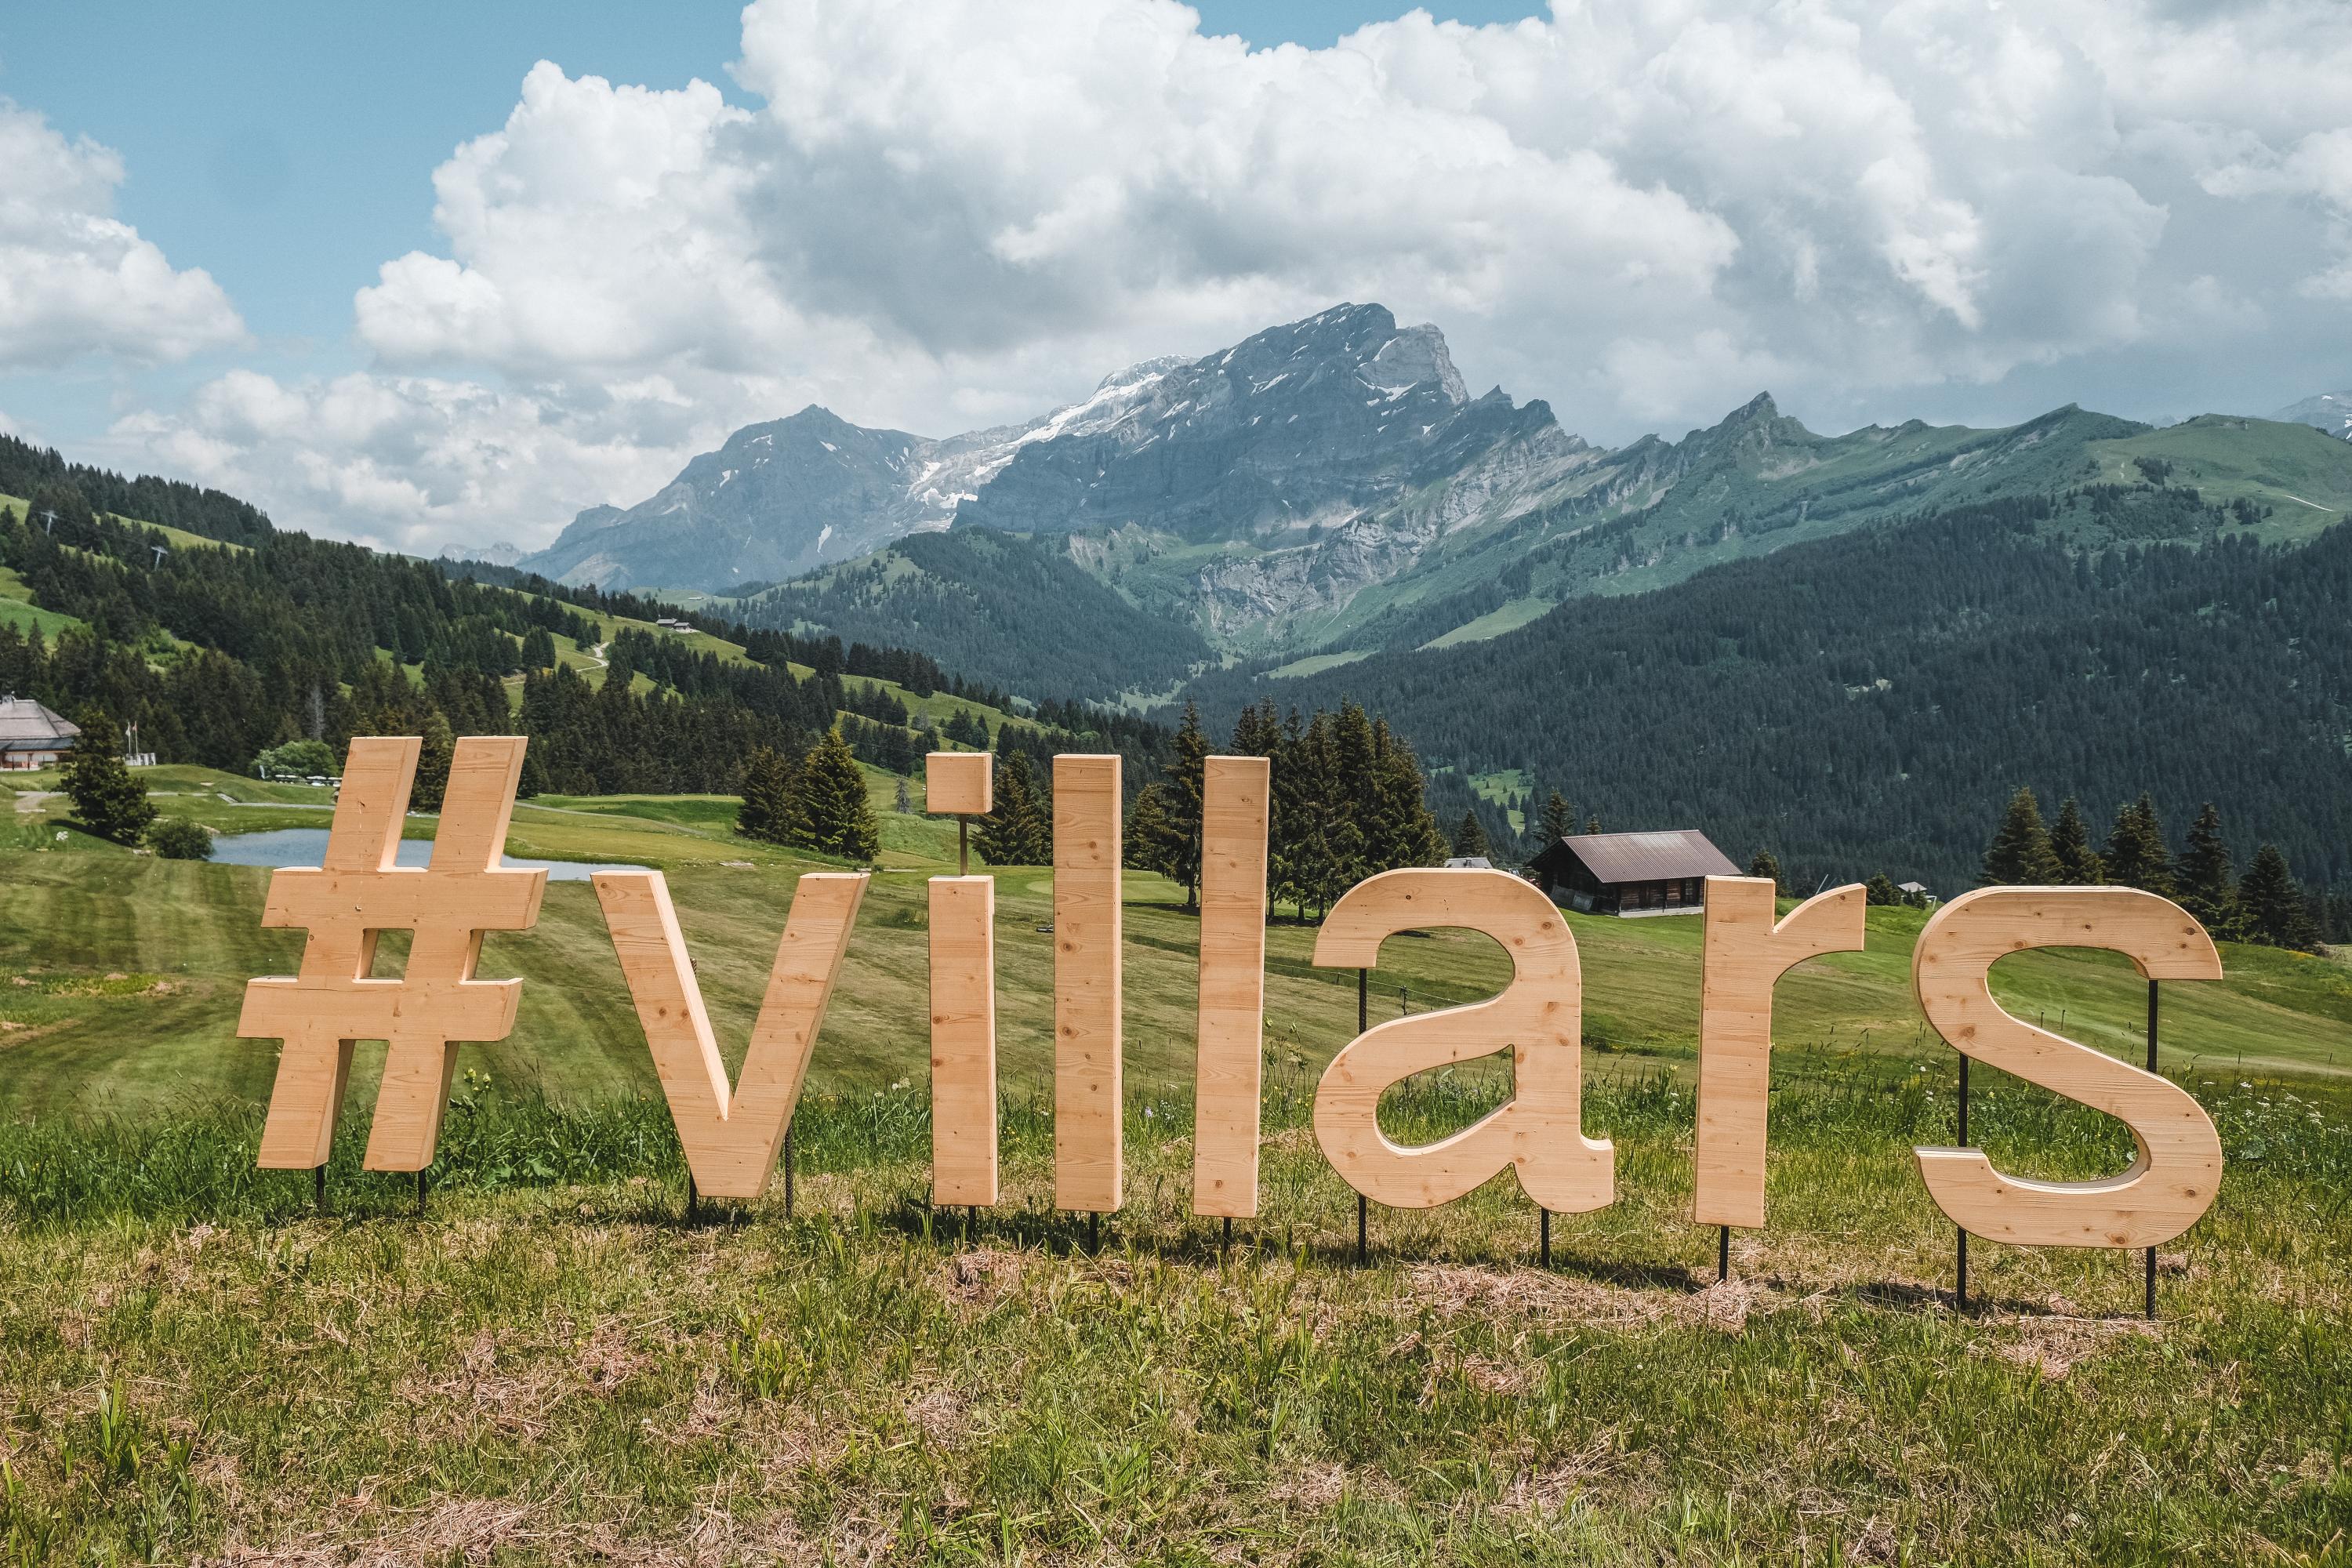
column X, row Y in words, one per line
column 307, row 847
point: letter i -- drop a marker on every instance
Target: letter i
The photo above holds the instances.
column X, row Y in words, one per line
column 963, row 993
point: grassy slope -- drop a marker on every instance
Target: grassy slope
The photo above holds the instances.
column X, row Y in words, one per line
column 548, row 1366
column 75, row 910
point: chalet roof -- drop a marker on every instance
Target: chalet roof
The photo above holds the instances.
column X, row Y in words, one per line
column 1910, row 887
column 27, row 726
column 1614, row 858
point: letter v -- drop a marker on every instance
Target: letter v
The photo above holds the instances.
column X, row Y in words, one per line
column 732, row 1139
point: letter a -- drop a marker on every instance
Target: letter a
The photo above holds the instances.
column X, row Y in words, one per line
column 1747, row 954
column 732, row 1139
column 2178, row 1167
column 1539, row 1017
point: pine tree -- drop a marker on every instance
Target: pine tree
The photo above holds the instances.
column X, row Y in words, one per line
column 1766, row 865
column 903, row 803
column 1469, row 838
column 538, row 649
column 2271, row 904
column 835, row 815
column 2079, row 865
column 767, row 812
column 1592, row 823
column 108, row 799
column 1149, row 834
column 1879, row 893
column 1555, row 822
column 2019, row 852
column 2208, row 878
column 1016, row 830
column 1183, row 805
column 2137, row 854
column 439, row 745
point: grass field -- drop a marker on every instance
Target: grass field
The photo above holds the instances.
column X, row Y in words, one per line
column 550, row 1365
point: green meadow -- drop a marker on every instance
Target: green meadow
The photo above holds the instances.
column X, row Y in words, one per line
column 550, row 1361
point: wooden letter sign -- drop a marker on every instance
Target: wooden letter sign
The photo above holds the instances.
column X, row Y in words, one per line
column 1539, row 1017
column 963, row 998
column 732, row 1139
column 1747, row 954
column 2173, row 1181
column 1235, row 799
column 1088, row 1145
column 357, row 894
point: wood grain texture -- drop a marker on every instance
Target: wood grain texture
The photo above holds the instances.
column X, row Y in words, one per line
column 1088, row 1138
column 959, row 783
column 2177, row 1169
column 357, row 892
column 963, row 1040
column 1539, row 1018
column 1237, row 794
column 732, row 1139
column 1746, row 954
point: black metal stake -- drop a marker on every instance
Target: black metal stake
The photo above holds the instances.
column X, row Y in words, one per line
column 319, row 1187
column 2151, row 1066
column 420, row 1189
column 788, row 1170
column 1363, row 1021
column 1227, row 1244
column 963, row 845
column 1093, row 1230
column 1960, row 1294
column 1723, row 1255
column 1546, row 1244
column 690, row 1196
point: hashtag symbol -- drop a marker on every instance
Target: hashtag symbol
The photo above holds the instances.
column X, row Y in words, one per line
column 360, row 892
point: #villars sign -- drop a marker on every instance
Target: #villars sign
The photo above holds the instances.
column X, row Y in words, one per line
column 732, row 1131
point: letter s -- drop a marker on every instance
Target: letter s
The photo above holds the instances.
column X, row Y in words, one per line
column 1540, row 1016
column 2172, row 1182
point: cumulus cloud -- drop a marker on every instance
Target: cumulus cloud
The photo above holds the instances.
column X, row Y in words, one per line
column 75, row 280
column 937, row 216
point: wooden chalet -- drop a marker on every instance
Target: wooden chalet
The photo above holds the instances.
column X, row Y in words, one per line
column 1630, row 873
column 32, row 737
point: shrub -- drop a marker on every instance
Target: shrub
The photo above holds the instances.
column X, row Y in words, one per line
column 177, row 838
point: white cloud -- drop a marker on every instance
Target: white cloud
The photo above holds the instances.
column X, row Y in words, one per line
column 75, row 280
column 937, row 216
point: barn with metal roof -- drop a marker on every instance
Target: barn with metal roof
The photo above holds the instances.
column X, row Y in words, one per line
column 31, row 736
column 1632, row 873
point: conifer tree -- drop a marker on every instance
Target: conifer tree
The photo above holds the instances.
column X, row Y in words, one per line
column 1555, row 822
column 836, row 816
column 2271, row 904
column 1592, row 823
column 766, row 813
column 1016, row 831
column 2019, row 852
column 1149, row 831
column 1879, row 893
column 2208, row 878
column 1767, row 865
column 1183, row 806
column 439, row 745
column 108, row 799
column 2079, row 865
column 903, row 803
column 2137, row 854
column 1469, row 837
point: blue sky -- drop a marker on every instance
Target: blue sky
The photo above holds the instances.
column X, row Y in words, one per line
column 936, row 216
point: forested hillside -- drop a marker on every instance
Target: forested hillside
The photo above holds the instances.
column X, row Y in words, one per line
column 1002, row 607
column 218, row 651
column 1869, row 703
